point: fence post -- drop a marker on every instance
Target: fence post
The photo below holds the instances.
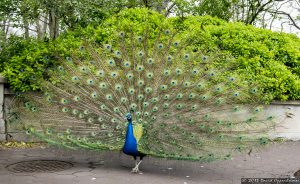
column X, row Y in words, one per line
column 2, row 121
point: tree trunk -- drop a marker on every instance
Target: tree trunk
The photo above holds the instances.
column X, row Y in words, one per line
column 38, row 28
column 45, row 25
column 26, row 27
column 6, row 32
column 4, row 29
column 53, row 24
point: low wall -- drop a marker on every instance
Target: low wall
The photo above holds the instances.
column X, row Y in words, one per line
column 290, row 128
column 2, row 122
column 6, row 97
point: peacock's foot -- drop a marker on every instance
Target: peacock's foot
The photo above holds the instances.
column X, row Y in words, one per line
column 136, row 168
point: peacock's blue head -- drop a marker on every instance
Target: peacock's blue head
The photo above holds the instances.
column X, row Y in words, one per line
column 128, row 117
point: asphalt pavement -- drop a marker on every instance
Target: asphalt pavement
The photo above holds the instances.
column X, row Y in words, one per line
column 91, row 167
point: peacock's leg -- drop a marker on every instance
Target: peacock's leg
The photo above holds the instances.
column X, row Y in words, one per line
column 133, row 169
column 136, row 168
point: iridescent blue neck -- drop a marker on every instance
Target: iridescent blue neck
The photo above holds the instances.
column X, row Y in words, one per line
column 130, row 145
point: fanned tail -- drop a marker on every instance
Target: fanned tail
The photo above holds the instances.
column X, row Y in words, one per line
column 190, row 103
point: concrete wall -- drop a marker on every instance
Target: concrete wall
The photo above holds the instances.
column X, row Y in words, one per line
column 290, row 122
column 6, row 97
column 290, row 127
column 2, row 122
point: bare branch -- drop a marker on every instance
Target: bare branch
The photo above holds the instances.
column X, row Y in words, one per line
column 289, row 17
column 169, row 9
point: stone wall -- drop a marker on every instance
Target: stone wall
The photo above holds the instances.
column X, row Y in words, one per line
column 290, row 128
column 6, row 97
column 2, row 122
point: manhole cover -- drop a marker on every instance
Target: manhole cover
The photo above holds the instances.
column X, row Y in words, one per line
column 39, row 166
column 297, row 174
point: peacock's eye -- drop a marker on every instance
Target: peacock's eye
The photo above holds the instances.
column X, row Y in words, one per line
column 212, row 74
column 60, row 68
column 231, row 79
column 195, row 71
column 150, row 75
column 111, row 62
column 139, row 38
column 140, row 83
column 178, row 71
column 187, row 84
column 186, row 56
column 148, row 89
column 140, row 53
column 191, row 96
column 121, row 34
column 69, row 59
column 166, row 97
column 114, row 74
column 130, row 76
column 155, row 109
column 123, row 100
column 49, row 131
column 145, row 104
column 131, row 90
column 150, row 61
column 133, row 106
column 254, row 90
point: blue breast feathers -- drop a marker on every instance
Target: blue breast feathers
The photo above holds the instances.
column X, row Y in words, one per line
column 130, row 146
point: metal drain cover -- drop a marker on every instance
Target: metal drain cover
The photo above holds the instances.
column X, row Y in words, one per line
column 39, row 166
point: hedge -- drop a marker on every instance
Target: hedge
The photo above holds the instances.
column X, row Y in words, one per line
column 270, row 59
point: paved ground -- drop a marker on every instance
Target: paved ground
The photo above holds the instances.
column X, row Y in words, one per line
column 114, row 168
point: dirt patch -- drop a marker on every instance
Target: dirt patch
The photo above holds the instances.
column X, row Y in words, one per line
column 8, row 145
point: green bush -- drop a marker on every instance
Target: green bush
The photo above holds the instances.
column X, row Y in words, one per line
column 14, row 46
column 25, row 62
column 270, row 59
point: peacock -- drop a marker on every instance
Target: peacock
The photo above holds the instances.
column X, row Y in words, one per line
column 147, row 93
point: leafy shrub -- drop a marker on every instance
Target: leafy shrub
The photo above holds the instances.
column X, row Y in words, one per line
column 268, row 58
column 24, row 62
